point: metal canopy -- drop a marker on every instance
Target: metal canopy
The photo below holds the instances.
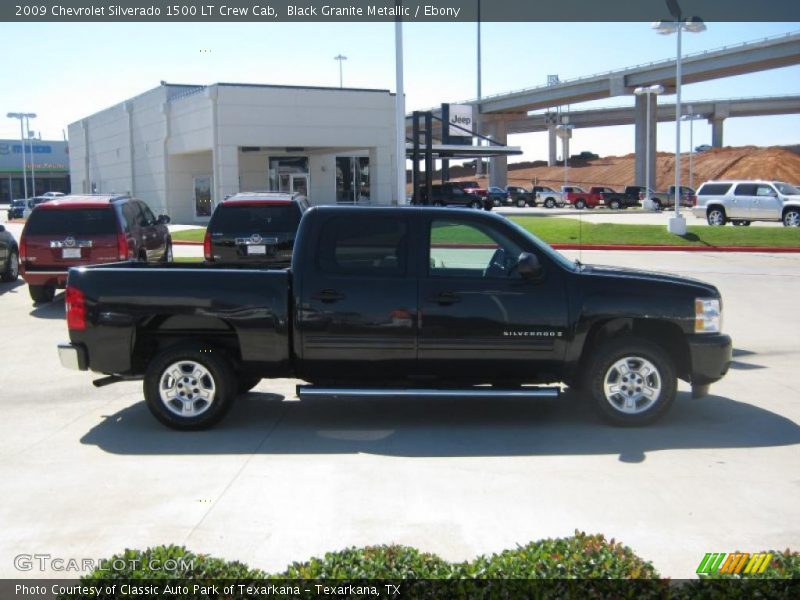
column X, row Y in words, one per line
column 458, row 151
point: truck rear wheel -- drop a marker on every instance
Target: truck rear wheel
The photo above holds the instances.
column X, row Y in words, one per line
column 189, row 387
column 791, row 218
column 716, row 217
column 580, row 204
column 631, row 381
column 42, row 294
column 614, row 205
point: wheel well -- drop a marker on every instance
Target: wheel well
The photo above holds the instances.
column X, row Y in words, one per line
column 665, row 334
column 719, row 206
column 163, row 332
column 786, row 209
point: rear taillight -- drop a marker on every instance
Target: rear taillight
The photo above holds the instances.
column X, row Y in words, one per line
column 123, row 249
column 207, row 246
column 694, row 200
column 75, row 302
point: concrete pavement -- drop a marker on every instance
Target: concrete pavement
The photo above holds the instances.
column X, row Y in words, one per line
column 87, row 472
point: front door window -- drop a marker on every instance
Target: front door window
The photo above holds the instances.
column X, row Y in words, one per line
column 202, row 196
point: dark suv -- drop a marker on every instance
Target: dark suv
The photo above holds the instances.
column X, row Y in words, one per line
column 255, row 228
column 9, row 256
column 16, row 209
column 452, row 194
column 87, row 229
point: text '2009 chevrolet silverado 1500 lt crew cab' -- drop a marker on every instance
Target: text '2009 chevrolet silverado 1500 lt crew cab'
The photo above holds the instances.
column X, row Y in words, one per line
column 414, row 301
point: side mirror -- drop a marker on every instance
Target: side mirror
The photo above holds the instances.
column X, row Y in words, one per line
column 529, row 266
column 163, row 219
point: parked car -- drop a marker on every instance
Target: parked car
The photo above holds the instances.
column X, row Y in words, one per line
column 16, row 208
column 498, row 196
column 742, row 202
column 379, row 302
column 576, row 196
column 702, row 148
column 548, row 197
column 254, row 228
column 471, row 187
column 666, row 200
column 450, row 194
column 20, row 208
column 9, row 256
column 627, row 198
column 79, row 230
column 520, row 196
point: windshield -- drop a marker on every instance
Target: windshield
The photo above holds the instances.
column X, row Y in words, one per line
column 554, row 255
column 786, row 189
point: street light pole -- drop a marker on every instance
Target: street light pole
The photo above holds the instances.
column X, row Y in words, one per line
column 479, row 160
column 400, row 113
column 691, row 117
column 340, row 58
column 31, row 139
column 22, row 117
column 647, row 204
column 677, row 224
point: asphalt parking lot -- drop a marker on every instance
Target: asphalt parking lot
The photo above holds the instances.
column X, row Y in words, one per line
column 87, row 472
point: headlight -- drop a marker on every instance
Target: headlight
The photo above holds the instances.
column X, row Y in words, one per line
column 707, row 315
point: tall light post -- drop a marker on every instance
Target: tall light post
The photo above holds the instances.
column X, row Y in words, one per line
column 22, row 117
column 479, row 159
column 652, row 90
column 341, row 58
column 691, row 117
column 32, row 139
column 399, row 110
column 677, row 224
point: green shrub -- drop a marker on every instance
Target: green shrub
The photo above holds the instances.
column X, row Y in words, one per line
column 372, row 562
column 581, row 556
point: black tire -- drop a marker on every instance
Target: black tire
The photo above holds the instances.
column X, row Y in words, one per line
column 656, row 204
column 167, row 258
column 11, row 272
column 614, row 205
column 476, row 204
column 245, row 382
column 438, row 203
column 522, row 203
column 631, row 353
column 216, row 375
column 716, row 217
column 746, row 223
column 791, row 218
column 42, row 294
column 549, row 203
column 580, row 204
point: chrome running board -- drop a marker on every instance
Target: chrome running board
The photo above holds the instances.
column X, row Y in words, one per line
column 311, row 391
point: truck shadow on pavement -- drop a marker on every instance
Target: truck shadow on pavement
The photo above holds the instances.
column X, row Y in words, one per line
column 50, row 310
column 11, row 286
column 267, row 424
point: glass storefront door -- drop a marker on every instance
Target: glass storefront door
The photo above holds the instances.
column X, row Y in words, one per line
column 202, row 196
column 352, row 179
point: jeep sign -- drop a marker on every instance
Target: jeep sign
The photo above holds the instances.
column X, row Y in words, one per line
column 461, row 117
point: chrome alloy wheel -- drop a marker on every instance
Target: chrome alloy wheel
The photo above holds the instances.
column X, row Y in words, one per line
column 632, row 385
column 187, row 388
column 792, row 219
column 13, row 266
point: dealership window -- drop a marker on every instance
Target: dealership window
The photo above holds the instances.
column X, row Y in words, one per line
column 352, row 179
column 284, row 172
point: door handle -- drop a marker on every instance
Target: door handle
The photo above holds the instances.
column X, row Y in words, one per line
column 328, row 296
column 445, row 298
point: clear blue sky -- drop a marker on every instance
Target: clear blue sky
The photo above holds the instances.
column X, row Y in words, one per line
column 67, row 71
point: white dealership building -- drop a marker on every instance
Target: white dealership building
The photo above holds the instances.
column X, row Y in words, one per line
column 184, row 148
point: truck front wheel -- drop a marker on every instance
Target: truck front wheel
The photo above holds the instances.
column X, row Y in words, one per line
column 631, row 381
column 189, row 387
column 614, row 205
column 580, row 204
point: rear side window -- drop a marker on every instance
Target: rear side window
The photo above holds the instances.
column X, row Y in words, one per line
column 248, row 218
column 84, row 221
column 745, row 189
column 714, row 189
column 364, row 246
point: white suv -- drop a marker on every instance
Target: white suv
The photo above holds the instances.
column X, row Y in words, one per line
column 742, row 202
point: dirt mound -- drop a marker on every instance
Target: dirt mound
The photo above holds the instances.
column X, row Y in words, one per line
column 747, row 162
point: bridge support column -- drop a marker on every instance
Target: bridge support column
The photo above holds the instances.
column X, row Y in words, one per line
column 640, row 136
column 498, row 165
column 716, row 132
column 552, row 139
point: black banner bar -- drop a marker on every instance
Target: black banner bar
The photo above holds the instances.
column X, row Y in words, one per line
column 249, row 11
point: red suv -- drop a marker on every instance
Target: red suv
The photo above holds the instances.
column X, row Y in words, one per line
column 80, row 230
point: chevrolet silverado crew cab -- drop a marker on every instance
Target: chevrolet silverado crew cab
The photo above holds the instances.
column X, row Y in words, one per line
column 255, row 228
column 404, row 301
column 84, row 230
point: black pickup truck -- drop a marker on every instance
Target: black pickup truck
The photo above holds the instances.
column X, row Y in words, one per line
column 411, row 301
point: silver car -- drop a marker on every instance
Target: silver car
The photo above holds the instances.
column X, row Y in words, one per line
column 742, row 202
